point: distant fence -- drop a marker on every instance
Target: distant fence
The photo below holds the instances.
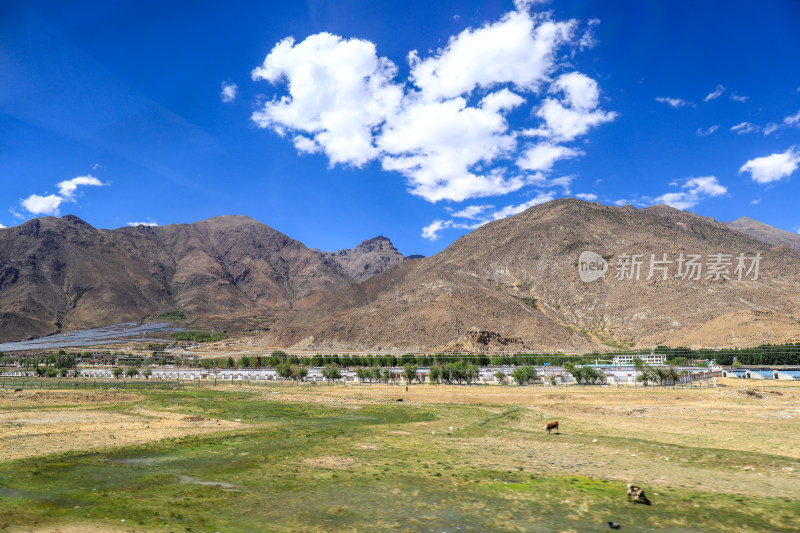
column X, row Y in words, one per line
column 61, row 384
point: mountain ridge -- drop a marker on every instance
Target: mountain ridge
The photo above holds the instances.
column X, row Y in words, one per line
column 515, row 278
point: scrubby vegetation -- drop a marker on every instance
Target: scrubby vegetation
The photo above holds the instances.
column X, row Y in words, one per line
column 171, row 316
column 199, row 336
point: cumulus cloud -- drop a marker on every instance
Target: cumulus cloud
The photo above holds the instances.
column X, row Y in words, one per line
column 708, row 131
column 432, row 230
column 445, row 129
column 673, row 102
column 736, row 98
column 575, row 113
column 542, row 157
column 744, row 127
column 149, row 223
column 694, row 190
column 50, row 205
column 43, row 205
column 773, row 167
column 67, row 188
column 437, row 146
column 2, row 226
column 513, row 50
column 229, row 91
column 339, row 91
column 716, row 93
column 770, row 128
column 589, row 197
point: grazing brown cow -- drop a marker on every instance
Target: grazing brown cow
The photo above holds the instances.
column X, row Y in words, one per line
column 636, row 495
column 551, row 426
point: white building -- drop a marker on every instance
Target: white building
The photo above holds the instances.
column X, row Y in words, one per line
column 648, row 358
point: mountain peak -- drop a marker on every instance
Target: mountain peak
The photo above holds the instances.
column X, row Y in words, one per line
column 766, row 233
column 369, row 258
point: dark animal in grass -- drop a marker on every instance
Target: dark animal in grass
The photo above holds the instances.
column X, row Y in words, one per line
column 614, row 525
column 636, row 495
column 17, row 390
column 551, row 426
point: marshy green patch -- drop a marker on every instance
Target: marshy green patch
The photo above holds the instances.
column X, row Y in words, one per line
column 305, row 466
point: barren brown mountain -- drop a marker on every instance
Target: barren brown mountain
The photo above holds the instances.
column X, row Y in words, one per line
column 519, row 277
column 61, row 273
column 766, row 233
column 369, row 258
column 516, row 278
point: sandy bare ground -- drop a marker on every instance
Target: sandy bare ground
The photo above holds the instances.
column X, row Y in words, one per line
column 43, row 422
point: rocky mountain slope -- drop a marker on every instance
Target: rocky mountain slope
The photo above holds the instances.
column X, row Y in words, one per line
column 514, row 284
column 369, row 258
column 766, row 233
column 61, row 273
column 520, row 276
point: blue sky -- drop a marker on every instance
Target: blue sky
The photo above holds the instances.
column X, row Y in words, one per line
column 337, row 121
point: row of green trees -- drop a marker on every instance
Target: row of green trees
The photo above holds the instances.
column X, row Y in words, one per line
column 387, row 361
column 766, row 354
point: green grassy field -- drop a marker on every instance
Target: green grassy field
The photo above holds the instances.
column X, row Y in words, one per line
column 306, row 466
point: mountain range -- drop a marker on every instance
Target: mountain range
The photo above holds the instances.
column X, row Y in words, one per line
column 513, row 284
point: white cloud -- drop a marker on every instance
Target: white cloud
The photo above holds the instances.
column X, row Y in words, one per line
column 43, row 205
column 149, row 222
column 471, row 211
column 228, row 93
column 67, row 188
column 513, row 50
column 339, row 90
column 736, row 98
column 51, row 204
column 589, row 197
column 588, row 40
column 770, row 128
column 756, row 201
column 575, row 113
column 708, row 131
column 564, row 182
column 744, row 127
column 436, row 146
column 431, row 231
column 447, row 141
column 716, row 93
column 694, row 191
column 542, row 157
column 2, row 226
column 502, row 100
column 673, row 102
column 305, row 145
column 511, row 210
column 773, row 167
column 792, row 120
